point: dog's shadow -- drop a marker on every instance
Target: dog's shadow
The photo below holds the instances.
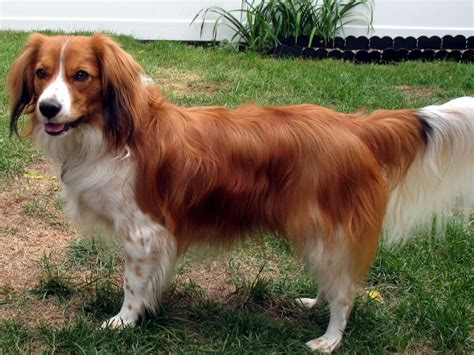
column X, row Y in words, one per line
column 188, row 320
column 258, row 321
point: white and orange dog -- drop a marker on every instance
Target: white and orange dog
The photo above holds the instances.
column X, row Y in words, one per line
column 164, row 177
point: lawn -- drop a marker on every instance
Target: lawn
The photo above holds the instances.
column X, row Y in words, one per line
column 56, row 286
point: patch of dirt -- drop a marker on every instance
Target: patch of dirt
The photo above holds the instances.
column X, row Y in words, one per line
column 184, row 82
column 219, row 275
column 411, row 92
column 32, row 312
column 31, row 225
column 214, row 280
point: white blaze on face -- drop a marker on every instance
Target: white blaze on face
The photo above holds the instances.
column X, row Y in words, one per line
column 58, row 90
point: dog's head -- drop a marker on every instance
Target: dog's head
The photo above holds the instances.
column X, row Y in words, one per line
column 66, row 82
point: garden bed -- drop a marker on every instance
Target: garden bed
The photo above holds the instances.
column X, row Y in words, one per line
column 380, row 49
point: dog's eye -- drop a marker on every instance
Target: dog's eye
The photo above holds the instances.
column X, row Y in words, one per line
column 41, row 73
column 81, row 75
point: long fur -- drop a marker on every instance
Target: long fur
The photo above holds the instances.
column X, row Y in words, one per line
column 165, row 177
column 20, row 82
column 441, row 177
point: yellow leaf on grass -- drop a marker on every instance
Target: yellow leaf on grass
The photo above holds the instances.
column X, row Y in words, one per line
column 33, row 175
column 375, row 295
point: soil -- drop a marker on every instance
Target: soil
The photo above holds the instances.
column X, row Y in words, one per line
column 184, row 83
column 31, row 225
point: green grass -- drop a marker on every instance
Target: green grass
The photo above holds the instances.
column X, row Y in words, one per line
column 54, row 282
column 427, row 285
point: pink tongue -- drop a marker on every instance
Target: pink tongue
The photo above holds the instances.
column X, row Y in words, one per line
column 54, row 127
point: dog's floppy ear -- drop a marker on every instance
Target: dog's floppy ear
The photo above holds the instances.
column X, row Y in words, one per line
column 123, row 95
column 20, row 79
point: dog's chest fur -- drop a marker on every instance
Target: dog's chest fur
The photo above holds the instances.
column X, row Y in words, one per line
column 98, row 187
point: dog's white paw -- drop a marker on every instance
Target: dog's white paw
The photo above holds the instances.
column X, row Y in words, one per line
column 324, row 344
column 306, row 302
column 118, row 322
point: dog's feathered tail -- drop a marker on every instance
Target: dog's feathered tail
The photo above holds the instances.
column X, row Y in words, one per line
column 441, row 176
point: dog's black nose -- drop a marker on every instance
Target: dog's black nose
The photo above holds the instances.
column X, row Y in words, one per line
column 49, row 108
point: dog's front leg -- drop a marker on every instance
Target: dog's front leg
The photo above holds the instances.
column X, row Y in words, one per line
column 150, row 255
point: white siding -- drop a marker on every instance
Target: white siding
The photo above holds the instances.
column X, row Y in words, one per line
column 419, row 17
column 170, row 19
column 143, row 19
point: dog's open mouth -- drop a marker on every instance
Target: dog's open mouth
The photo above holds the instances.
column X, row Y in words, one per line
column 55, row 129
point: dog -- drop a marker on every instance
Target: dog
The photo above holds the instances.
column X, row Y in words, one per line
column 164, row 177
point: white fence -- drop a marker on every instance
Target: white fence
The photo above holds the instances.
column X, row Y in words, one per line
column 420, row 17
column 171, row 19
column 143, row 19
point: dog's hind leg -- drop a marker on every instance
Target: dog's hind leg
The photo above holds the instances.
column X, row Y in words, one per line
column 328, row 265
column 150, row 255
column 340, row 293
column 338, row 268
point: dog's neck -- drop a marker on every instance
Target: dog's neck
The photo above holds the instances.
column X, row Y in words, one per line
column 83, row 143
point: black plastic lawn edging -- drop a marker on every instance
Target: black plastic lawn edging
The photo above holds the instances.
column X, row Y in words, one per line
column 380, row 49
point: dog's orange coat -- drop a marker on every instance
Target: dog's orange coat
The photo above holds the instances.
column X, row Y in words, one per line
column 211, row 175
